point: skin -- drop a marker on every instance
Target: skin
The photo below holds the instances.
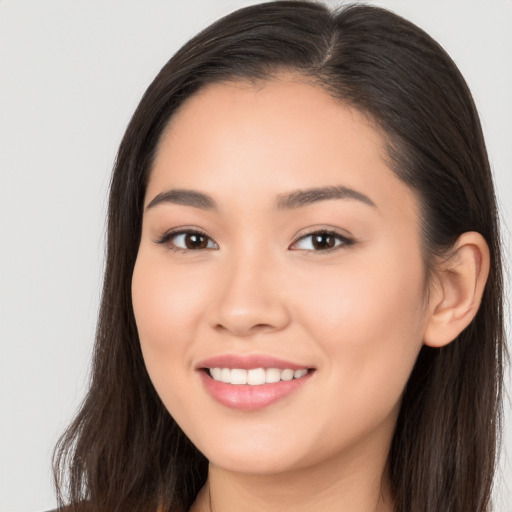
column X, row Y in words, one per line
column 357, row 314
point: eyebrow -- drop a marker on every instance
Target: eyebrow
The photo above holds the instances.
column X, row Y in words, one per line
column 309, row 196
column 185, row 198
column 296, row 199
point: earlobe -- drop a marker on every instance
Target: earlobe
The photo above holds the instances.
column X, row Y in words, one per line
column 460, row 283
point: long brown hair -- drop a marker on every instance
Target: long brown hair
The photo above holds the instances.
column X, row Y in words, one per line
column 124, row 451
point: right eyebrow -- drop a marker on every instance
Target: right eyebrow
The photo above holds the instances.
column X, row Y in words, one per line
column 184, row 197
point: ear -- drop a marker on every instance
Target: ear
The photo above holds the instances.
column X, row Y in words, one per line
column 458, row 288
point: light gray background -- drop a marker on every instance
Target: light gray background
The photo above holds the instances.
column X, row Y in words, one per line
column 71, row 74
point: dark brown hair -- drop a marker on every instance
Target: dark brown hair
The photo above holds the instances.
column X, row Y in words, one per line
column 124, row 451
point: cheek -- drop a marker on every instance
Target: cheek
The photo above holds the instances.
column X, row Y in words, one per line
column 165, row 296
column 167, row 306
column 366, row 293
column 368, row 319
column 367, row 322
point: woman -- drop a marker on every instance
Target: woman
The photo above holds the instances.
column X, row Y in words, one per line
column 303, row 297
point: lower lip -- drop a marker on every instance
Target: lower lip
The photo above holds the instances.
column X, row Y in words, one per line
column 251, row 398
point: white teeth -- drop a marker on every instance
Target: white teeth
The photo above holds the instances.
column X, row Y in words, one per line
column 256, row 376
column 287, row 375
column 225, row 375
column 272, row 375
column 299, row 373
column 238, row 376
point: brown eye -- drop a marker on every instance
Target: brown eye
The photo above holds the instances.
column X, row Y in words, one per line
column 187, row 241
column 322, row 241
column 195, row 241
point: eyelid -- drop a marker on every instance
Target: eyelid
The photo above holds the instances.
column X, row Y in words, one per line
column 343, row 239
column 184, row 230
column 346, row 240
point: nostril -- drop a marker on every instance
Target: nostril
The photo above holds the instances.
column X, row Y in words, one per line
column 242, row 327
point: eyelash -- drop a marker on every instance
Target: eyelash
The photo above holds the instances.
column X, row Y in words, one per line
column 168, row 237
column 343, row 240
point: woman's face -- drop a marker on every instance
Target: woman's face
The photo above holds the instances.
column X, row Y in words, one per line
column 277, row 242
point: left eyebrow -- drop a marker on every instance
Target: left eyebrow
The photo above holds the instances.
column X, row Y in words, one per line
column 300, row 198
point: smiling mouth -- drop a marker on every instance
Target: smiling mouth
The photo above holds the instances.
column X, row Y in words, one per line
column 256, row 376
column 252, row 383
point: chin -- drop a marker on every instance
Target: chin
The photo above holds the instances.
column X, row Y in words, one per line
column 260, row 454
column 253, row 463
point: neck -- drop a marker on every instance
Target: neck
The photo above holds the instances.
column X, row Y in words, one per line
column 327, row 487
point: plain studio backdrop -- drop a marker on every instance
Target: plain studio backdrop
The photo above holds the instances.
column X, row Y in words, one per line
column 71, row 75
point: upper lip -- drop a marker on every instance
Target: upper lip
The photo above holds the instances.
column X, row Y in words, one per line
column 249, row 362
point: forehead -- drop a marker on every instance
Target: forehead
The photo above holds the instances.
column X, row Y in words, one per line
column 271, row 103
column 287, row 114
column 272, row 137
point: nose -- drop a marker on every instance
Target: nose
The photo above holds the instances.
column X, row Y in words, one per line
column 250, row 298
